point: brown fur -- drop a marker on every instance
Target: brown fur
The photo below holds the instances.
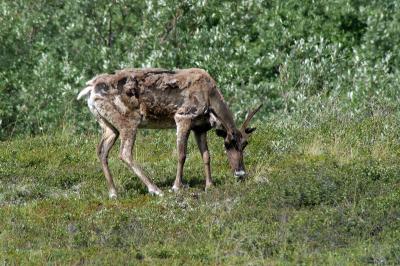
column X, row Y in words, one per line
column 187, row 99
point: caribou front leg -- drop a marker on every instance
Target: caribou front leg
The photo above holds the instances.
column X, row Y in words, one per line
column 127, row 142
column 182, row 135
column 201, row 139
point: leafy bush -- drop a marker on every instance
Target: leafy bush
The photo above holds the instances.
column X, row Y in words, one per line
column 295, row 57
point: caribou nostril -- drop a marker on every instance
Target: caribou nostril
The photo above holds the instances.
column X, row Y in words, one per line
column 240, row 173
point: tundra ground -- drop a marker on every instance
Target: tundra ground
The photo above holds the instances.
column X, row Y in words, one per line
column 327, row 194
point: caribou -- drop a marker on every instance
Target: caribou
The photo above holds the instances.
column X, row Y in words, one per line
column 185, row 99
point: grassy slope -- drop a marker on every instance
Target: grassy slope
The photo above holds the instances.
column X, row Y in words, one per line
column 327, row 194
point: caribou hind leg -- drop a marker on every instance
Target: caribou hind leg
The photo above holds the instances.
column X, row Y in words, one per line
column 113, row 122
column 107, row 141
column 128, row 136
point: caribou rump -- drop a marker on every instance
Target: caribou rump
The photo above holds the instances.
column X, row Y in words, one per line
column 186, row 99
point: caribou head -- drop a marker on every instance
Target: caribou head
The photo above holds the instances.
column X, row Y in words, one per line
column 235, row 141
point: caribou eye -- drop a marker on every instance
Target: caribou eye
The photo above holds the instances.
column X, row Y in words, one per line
column 228, row 145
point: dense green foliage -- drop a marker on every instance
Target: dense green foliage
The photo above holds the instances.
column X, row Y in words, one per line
column 292, row 55
column 324, row 196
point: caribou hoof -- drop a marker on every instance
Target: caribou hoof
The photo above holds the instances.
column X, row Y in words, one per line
column 156, row 192
column 112, row 195
column 176, row 188
column 209, row 187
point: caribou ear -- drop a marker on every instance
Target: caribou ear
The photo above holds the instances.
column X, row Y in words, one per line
column 250, row 130
column 221, row 133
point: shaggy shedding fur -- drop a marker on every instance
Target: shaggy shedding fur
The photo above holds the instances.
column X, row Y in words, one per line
column 187, row 99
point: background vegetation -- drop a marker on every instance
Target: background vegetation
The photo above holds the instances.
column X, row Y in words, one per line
column 324, row 166
column 295, row 56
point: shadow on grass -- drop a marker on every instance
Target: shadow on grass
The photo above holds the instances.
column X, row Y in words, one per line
column 137, row 187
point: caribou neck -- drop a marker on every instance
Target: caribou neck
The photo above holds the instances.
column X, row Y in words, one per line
column 223, row 114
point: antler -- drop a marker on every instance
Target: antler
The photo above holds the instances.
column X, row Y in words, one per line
column 249, row 117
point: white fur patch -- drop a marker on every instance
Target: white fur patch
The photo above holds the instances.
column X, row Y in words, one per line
column 84, row 92
column 91, row 105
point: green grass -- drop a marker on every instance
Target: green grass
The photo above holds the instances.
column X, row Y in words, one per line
column 326, row 194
